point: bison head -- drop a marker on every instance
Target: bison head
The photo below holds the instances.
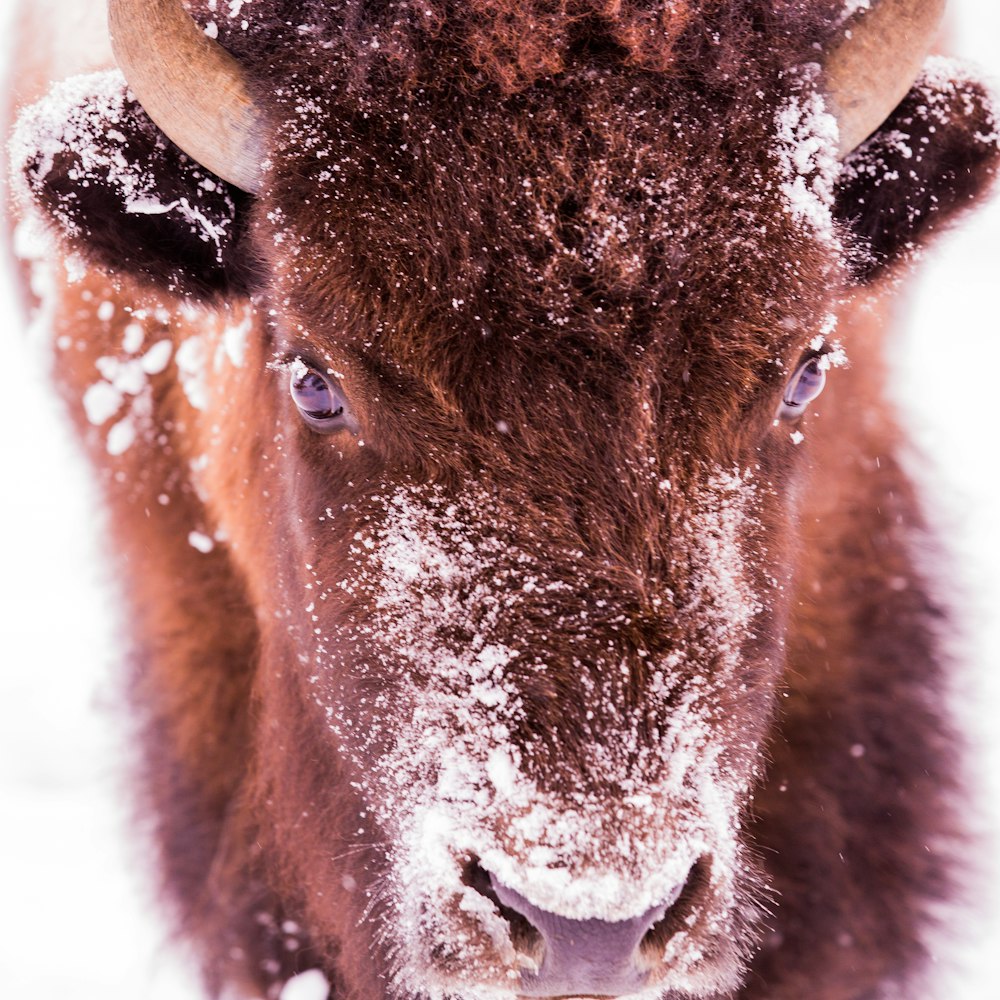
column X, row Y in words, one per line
column 506, row 463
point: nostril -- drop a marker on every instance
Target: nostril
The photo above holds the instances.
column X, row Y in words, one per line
column 678, row 914
column 525, row 937
column 578, row 957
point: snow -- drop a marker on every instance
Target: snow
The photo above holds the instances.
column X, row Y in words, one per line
column 72, row 115
column 722, row 595
column 234, row 340
column 124, row 380
column 853, row 7
column 311, row 985
column 156, row 359
column 71, row 870
column 192, row 359
column 101, row 402
column 132, row 338
column 807, row 154
column 200, row 541
column 121, row 437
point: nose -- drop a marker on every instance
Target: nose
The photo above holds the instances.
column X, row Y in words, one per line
column 596, row 958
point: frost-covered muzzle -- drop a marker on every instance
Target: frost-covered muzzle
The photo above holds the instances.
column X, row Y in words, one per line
column 638, row 867
column 622, row 816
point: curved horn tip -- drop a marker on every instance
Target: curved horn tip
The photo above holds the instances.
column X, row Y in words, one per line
column 191, row 87
column 872, row 65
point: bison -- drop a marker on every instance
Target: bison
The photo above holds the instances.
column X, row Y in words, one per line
column 509, row 616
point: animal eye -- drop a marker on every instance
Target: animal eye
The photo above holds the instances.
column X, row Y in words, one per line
column 321, row 404
column 803, row 387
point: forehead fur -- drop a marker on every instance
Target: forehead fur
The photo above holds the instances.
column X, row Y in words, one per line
column 512, row 44
column 492, row 187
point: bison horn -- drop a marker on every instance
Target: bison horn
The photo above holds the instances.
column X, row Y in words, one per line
column 873, row 64
column 190, row 86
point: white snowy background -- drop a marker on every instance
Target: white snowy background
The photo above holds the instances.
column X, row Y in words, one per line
column 76, row 915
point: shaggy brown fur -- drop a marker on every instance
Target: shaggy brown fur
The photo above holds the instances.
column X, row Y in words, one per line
column 546, row 244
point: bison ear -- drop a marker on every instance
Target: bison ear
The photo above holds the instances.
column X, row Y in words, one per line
column 125, row 197
column 936, row 153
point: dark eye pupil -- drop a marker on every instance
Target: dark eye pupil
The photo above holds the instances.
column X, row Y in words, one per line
column 314, row 397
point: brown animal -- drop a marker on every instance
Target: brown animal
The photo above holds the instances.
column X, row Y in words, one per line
column 503, row 623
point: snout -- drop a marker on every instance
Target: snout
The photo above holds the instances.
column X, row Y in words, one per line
column 588, row 908
column 592, row 957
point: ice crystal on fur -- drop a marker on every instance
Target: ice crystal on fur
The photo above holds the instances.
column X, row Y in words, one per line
column 807, row 154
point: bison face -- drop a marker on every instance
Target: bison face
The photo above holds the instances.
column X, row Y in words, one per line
column 532, row 521
column 516, row 417
column 532, row 531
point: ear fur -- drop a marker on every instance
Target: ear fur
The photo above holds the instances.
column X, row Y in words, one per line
column 125, row 197
column 937, row 153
